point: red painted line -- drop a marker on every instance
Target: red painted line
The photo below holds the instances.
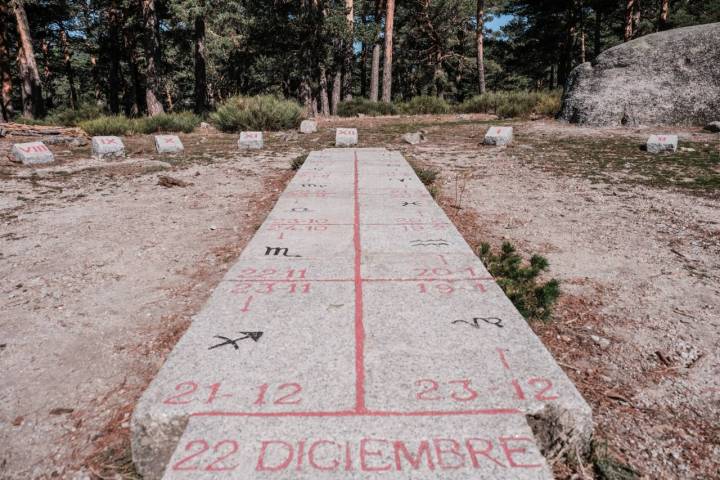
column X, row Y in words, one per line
column 364, row 224
column 359, row 325
column 473, row 279
column 345, row 280
column 364, row 413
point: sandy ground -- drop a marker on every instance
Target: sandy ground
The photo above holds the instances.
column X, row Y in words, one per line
column 638, row 328
column 102, row 268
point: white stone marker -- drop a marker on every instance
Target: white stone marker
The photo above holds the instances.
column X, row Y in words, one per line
column 662, row 143
column 358, row 337
column 346, row 137
column 308, row 126
column 499, row 136
column 32, row 153
column 108, row 147
column 250, row 140
column 168, row 144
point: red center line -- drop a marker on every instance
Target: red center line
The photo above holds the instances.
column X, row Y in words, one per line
column 363, row 413
column 348, row 224
column 359, row 326
column 341, row 280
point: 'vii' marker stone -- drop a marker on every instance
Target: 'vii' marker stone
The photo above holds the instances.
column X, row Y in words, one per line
column 357, row 337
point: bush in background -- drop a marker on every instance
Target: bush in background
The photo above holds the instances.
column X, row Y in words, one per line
column 107, row 125
column 67, row 117
column 184, row 122
column 362, row 106
column 424, row 105
column 121, row 125
column 264, row 112
column 514, row 104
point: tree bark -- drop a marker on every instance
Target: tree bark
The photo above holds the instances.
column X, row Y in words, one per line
column 349, row 59
column 598, row 33
column 200, row 66
column 32, row 85
column 336, row 92
column 664, row 15
column 479, row 40
column 629, row 9
column 152, row 59
column 6, row 107
column 387, row 67
column 375, row 73
column 69, row 72
column 324, row 100
column 114, row 80
column 138, row 93
column 636, row 19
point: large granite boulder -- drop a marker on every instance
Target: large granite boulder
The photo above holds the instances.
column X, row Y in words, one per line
column 667, row 78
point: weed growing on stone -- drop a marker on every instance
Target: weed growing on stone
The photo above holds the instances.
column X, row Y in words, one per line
column 298, row 162
column 519, row 280
column 427, row 175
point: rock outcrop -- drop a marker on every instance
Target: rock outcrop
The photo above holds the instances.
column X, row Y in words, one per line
column 667, row 78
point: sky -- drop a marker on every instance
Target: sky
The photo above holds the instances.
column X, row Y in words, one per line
column 498, row 22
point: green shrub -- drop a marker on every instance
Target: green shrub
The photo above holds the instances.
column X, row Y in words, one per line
column 29, row 121
column 533, row 300
column 107, row 125
column 514, row 104
column 357, row 106
column 72, row 118
column 265, row 112
column 424, row 105
column 549, row 104
column 167, row 122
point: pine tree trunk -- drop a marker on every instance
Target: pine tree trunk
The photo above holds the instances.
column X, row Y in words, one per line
column 583, row 54
column 200, row 68
column 6, row 107
column 114, row 80
column 138, row 95
column 336, row 92
column 152, row 58
column 375, row 73
column 349, row 59
column 629, row 8
column 387, row 67
column 324, row 100
column 69, row 72
column 32, row 85
column 479, row 40
column 598, row 33
column 636, row 19
column 664, row 15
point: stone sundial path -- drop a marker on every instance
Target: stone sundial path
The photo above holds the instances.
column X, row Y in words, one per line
column 357, row 337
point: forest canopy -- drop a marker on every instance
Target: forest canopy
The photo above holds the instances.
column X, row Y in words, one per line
column 146, row 57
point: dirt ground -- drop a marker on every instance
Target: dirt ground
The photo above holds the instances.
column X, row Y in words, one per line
column 102, row 269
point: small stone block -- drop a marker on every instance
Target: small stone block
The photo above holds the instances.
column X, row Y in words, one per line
column 250, row 140
column 168, row 144
column 308, row 126
column 662, row 143
column 32, row 153
column 108, row 147
column 346, row 137
column 499, row 136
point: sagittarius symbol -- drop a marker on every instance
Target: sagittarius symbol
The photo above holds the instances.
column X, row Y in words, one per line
column 255, row 336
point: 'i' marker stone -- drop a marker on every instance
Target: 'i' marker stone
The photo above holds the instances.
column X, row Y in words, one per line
column 357, row 337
